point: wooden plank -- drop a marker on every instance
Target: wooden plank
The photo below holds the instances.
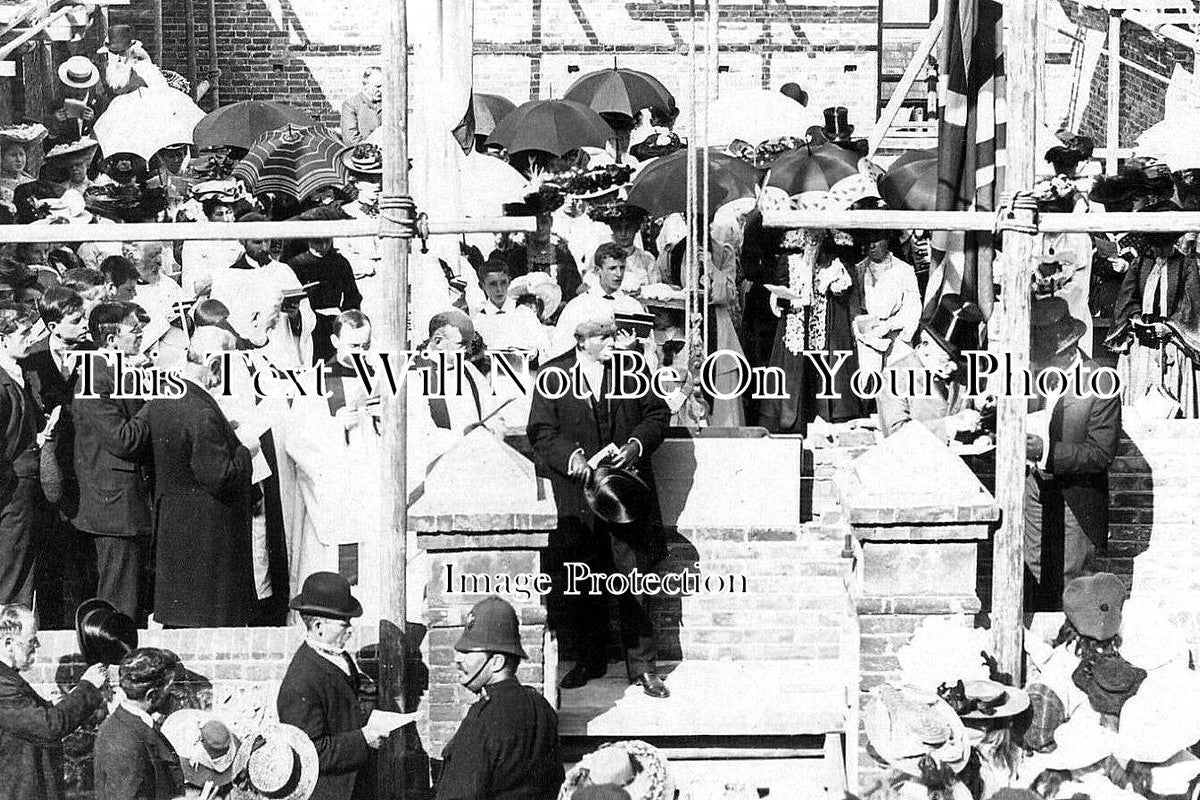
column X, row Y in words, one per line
column 1113, row 222
column 1112, row 128
column 879, row 131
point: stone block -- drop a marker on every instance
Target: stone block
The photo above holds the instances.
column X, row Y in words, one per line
column 904, row 568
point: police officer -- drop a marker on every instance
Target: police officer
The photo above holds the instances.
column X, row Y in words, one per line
column 507, row 746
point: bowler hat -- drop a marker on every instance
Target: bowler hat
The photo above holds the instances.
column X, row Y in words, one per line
column 1053, row 329
column 326, row 594
column 105, row 635
column 1093, row 605
column 616, row 495
column 491, row 628
column 837, row 125
column 78, row 72
column 956, row 326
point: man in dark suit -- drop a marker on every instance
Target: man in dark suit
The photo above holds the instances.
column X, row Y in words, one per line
column 1071, row 444
column 114, row 491
column 319, row 692
column 131, row 759
column 19, row 488
column 566, row 433
column 507, row 746
column 335, row 292
column 939, row 403
column 31, row 729
column 202, row 502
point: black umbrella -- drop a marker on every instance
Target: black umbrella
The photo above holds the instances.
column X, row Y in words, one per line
column 242, row 124
column 552, row 126
column 911, row 182
column 621, row 91
column 661, row 187
column 812, row 169
column 489, row 110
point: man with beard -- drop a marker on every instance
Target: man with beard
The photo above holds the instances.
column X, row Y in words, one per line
column 507, row 746
column 131, row 759
column 319, row 692
column 566, row 432
column 114, row 491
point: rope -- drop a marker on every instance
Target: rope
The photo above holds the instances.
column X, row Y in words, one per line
column 404, row 225
column 1006, row 218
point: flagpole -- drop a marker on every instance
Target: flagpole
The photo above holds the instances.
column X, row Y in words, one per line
column 1022, row 49
column 396, row 209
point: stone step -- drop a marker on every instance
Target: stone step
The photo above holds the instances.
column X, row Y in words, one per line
column 713, row 698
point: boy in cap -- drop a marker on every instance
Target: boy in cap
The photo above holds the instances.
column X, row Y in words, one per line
column 507, row 746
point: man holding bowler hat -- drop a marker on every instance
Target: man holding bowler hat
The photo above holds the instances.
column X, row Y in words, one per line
column 507, row 746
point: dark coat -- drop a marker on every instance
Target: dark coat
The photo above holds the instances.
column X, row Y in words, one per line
column 559, row 427
column 202, row 513
column 322, row 700
column 505, row 749
column 1083, row 444
column 31, row 732
column 1183, row 291
column 132, row 761
column 114, row 491
column 21, row 418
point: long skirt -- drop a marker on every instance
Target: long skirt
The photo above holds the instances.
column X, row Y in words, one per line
column 1145, row 367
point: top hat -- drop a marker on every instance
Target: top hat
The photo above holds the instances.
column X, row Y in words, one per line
column 105, row 635
column 1053, row 329
column 120, row 38
column 279, row 762
column 207, row 749
column 1093, row 605
column 837, row 125
column 364, row 159
column 616, row 495
column 78, row 72
column 326, row 594
column 956, row 326
column 491, row 627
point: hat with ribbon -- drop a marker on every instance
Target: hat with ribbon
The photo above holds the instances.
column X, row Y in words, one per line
column 492, row 627
column 1162, row 719
column 78, row 72
column 984, row 699
column 278, row 763
column 104, row 635
column 326, row 594
column 24, row 134
column 1052, row 328
column 904, row 727
column 227, row 191
column 206, row 747
column 957, row 326
column 541, row 286
column 633, row 766
column 364, row 159
column 616, row 495
column 1093, row 604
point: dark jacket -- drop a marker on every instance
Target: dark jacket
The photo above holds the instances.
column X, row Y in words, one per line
column 202, row 513
column 322, row 700
column 22, row 419
column 1183, row 293
column 558, row 427
column 31, row 734
column 1083, row 444
column 335, row 287
column 505, row 749
column 132, row 761
column 114, row 491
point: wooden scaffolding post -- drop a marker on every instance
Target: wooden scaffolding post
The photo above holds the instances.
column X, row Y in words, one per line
column 1022, row 47
column 394, row 329
column 1112, row 131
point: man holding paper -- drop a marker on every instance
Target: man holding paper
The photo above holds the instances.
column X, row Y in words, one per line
column 319, row 692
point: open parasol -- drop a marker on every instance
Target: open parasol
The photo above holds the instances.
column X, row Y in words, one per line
column 812, row 169
column 552, row 126
column 293, row 161
column 757, row 116
column 241, row 124
column 620, row 91
column 146, row 120
column 489, row 110
column 661, row 186
column 911, row 181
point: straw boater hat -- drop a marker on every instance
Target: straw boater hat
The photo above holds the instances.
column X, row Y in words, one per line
column 78, row 72
column 363, row 159
column 904, row 726
column 207, row 749
column 984, row 700
column 72, row 148
column 634, row 766
column 541, row 286
column 279, row 762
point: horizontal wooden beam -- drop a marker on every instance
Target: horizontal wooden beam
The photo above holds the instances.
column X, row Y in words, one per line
column 1116, row 222
column 195, row 231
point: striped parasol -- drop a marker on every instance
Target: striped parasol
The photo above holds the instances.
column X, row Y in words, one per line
column 293, row 161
